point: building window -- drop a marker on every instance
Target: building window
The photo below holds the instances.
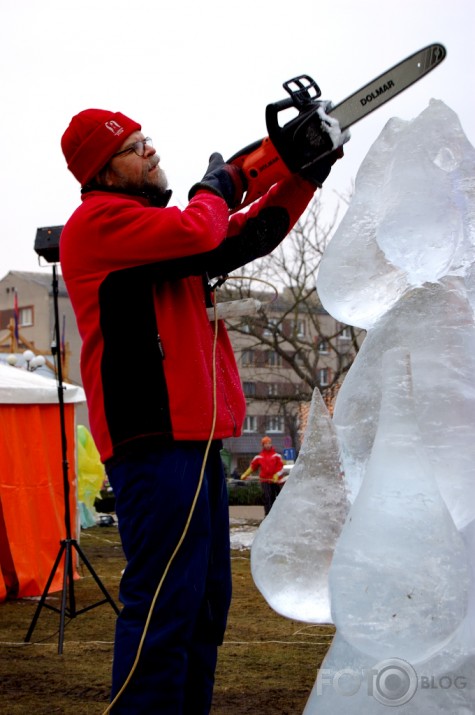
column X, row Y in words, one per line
column 323, row 347
column 273, row 359
column 249, row 389
column 271, row 327
column 248, row 358
column 298, row 328
column 272, row 389
column 323, row 377
column 250, row 424
column 345, row 333
column 25, row 316
column 275, row 423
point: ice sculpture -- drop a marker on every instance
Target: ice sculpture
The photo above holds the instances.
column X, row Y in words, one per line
column 292, row 550
column 401, row 266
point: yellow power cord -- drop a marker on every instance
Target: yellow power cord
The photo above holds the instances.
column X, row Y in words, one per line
column 187, row 524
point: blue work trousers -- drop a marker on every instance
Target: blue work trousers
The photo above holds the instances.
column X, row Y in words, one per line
column 154, row 494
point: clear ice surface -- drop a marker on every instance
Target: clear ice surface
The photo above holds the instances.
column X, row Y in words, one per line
column 435, row 324
column 292, row 550
column 399, row 575
column 411, row 219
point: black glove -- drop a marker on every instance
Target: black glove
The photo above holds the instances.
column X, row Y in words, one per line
column 225, row 180
column 317, row 172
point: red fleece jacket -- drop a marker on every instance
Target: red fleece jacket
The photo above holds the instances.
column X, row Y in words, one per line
column 268, row 462
column 135, row 277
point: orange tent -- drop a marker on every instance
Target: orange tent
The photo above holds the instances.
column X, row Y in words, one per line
column 32, row 519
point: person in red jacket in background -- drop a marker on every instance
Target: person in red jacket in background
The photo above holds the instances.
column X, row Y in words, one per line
column 270, row 466
column 131, row 262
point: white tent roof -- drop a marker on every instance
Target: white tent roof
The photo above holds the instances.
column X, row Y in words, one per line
column 19, row 386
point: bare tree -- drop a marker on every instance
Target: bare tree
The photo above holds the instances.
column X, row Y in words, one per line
column 292, row 325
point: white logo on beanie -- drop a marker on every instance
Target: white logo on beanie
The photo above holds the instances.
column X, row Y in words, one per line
column 114, row 127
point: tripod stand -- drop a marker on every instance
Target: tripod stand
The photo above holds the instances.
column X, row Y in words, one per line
column 68, row 545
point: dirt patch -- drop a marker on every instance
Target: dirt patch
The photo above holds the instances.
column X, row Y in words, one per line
column 268, row 664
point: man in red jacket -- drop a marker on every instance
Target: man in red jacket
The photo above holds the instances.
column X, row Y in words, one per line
column 131, row 263
column 270, row 466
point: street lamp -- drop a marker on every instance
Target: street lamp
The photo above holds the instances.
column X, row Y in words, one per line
column 37, row 361
column 28, row 356
column 33, row 362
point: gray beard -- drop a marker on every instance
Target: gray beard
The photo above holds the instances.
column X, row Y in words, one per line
column 156, row 190
column 159, row 184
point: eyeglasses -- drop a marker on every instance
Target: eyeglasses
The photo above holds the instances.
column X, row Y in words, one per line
column 137, row 147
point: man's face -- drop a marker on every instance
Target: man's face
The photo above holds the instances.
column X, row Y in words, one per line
column 140, row 173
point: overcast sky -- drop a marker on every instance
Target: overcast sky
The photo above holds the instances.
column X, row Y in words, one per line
column 198, row 76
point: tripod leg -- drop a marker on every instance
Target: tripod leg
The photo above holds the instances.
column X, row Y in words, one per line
column 72, row 593
column 96, row 577
column 45, row 593
column 67, row 569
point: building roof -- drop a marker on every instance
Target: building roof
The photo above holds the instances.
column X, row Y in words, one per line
column 43, row 279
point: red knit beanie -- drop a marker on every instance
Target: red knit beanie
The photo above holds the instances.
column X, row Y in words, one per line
column 91, row 139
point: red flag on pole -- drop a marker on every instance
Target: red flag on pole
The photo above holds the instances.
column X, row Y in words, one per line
column 16, row 317
column 63, row 342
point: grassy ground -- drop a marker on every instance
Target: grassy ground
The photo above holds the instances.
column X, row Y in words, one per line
column 267, row 664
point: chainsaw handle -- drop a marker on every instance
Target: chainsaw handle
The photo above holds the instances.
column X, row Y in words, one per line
column 273, row 158
column 261, row 166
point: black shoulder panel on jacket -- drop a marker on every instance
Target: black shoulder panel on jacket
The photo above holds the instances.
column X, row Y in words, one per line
column 258, row 237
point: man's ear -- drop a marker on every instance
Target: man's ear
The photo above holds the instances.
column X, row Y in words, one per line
column 104, row 177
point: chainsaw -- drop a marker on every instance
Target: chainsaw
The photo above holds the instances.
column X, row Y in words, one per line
column 310, row 135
